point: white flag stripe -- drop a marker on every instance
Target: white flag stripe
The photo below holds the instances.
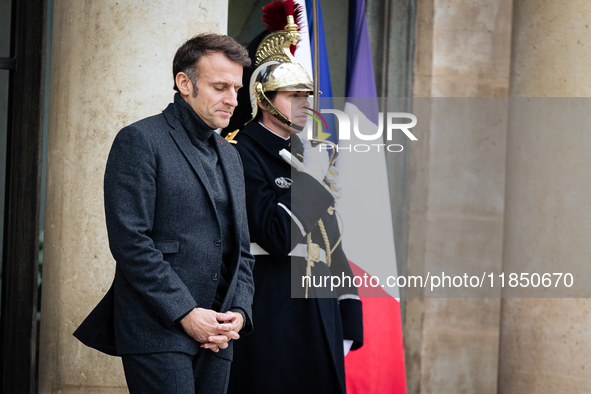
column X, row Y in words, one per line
column 368, row 237
column 303, row 53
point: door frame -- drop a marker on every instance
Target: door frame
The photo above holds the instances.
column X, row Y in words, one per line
column 20, row 254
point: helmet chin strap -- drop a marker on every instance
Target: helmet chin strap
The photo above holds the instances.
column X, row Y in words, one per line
column 263, row 99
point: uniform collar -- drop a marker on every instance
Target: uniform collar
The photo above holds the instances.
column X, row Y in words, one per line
column 271, row 131
column 265, row 138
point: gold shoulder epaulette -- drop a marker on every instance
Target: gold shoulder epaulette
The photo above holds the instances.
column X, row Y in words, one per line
column 230, row 136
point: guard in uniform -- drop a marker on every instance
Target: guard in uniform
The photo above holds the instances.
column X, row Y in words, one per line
column 302, row 331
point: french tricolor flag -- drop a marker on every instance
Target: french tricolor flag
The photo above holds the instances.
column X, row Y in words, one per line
column 368, row 239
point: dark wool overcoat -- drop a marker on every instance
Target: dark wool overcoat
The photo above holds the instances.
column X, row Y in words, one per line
column 165, row 235
column 297, row 346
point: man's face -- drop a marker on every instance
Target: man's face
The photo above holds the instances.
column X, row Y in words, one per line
column 291, row 104
column 218, row 81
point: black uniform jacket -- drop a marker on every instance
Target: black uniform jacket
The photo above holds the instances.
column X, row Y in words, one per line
column 298, row 344
column 164, row 233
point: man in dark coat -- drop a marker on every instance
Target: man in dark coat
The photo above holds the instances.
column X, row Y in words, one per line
column 177, row 226
column 303, row 332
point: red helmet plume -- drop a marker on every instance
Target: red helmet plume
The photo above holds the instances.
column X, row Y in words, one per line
column 275, row 16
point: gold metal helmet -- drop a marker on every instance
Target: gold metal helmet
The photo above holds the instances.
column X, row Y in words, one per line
column 277, row 70
column 275, row 67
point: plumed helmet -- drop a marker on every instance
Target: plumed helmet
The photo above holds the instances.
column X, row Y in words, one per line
column 273, row 66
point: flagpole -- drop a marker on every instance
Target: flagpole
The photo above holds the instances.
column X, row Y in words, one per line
column 316, row 76
column 316, row 64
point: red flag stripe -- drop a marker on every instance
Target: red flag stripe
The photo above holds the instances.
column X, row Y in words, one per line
column 378, row 367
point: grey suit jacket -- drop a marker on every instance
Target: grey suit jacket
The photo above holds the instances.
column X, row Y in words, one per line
column 165, row 236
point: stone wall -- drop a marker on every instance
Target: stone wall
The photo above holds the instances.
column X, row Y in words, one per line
column 545, row 343
column 457, row 191
column 111, row 65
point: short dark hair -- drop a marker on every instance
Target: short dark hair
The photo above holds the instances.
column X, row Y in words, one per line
column 189, row 54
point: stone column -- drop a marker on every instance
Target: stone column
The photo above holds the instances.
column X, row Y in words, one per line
column 457, row 191
column 545, row 343
column 111, row 65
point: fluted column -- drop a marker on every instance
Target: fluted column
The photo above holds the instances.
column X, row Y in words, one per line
column 111, row 65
